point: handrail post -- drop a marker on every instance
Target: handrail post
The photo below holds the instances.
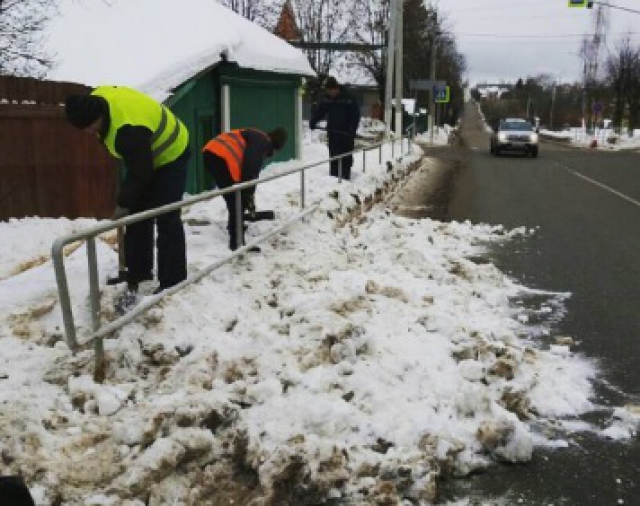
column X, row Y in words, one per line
column 364, row 161
column 238, row 224
column 380, row 153
column 94, row 296
column 340, row 169
column 94, row 300
column 302, row 190
column 63, row 294
column 122, row 269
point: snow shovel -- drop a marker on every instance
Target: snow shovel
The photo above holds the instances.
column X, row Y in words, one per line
column 259, row 216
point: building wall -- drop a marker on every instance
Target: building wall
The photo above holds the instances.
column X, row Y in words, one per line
column 257, row 99
column 197, row 104
column 265, row 101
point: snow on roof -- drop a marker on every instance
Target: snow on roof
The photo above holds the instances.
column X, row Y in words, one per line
column 155, row 45
column 346, row 72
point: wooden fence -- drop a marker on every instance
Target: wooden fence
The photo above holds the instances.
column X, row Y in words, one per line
column 36, row 91
column 47, row 167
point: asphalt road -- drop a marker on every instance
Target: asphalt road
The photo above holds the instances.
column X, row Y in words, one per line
column 585, row 207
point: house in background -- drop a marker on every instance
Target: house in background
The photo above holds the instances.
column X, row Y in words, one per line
column 287, row 28
column 493, row 91
column 213, row 68
column 363, row 88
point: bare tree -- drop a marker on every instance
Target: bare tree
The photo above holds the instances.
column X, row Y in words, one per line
column 321, row 21
column 623, row 72
column 422, row 25
column 372, row 28
column 258, row 11
column 22, row 23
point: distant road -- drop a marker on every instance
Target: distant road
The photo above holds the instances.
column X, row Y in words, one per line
column 585, row 205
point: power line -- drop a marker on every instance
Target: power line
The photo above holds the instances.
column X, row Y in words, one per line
column 510, row 17
column 539, row 37
column 613, row 6
column 501, row 7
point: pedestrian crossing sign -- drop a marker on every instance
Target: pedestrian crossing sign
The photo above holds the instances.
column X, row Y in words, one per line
column 441, row 95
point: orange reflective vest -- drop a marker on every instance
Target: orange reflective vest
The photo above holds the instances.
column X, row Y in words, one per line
column 230, row 147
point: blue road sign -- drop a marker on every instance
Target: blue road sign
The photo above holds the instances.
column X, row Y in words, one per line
column 441, row 95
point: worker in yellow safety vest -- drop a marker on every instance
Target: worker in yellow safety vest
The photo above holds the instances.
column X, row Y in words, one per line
column 154, row 146
column 238, row 156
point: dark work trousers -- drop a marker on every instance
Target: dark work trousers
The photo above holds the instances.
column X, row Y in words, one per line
column 167, row 186
column 339, row 144
column 219, row 171
column 14, row 492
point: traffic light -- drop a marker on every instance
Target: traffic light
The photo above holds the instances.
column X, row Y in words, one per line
column 581, row 3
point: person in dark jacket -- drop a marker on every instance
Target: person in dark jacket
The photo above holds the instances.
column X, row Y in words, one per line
column 343, row 117
column 235, row 157
column 153, row 144
column 14, row 492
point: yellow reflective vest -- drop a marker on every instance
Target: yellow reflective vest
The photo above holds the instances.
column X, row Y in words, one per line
column 130, row 107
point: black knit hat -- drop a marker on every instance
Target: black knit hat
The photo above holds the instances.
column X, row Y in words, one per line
column 331, row 82
column 83, row 110
column 14, row 492
column 278, row 138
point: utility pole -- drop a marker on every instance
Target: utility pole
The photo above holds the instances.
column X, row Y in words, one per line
column 432, row 77
column 391, row 52
column 398, row 60
column 553, row 102
column 593, row 50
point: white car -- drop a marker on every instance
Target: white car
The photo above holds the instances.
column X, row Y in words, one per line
column 514, row 134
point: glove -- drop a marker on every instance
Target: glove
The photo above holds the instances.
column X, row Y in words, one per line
column 120, row 212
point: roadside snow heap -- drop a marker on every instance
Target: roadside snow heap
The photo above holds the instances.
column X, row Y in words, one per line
column 356, row 360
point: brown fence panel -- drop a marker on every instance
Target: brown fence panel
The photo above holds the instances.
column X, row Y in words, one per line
column 20, row 90
column 50, row 169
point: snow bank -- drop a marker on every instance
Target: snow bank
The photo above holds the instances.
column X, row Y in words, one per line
column 359, row 357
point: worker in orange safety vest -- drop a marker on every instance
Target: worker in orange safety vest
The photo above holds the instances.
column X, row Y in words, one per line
column 235, row 157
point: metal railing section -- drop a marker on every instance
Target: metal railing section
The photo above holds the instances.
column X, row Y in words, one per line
column 90, row 234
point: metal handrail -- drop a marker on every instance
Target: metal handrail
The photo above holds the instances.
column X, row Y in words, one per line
column 90, row 234
column 152, row 300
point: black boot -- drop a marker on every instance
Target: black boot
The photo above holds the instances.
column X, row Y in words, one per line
column 128, row 299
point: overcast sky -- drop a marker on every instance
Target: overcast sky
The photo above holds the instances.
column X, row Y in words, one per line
column 508, row 39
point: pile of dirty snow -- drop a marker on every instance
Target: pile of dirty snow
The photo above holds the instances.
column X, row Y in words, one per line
column 359, row 357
